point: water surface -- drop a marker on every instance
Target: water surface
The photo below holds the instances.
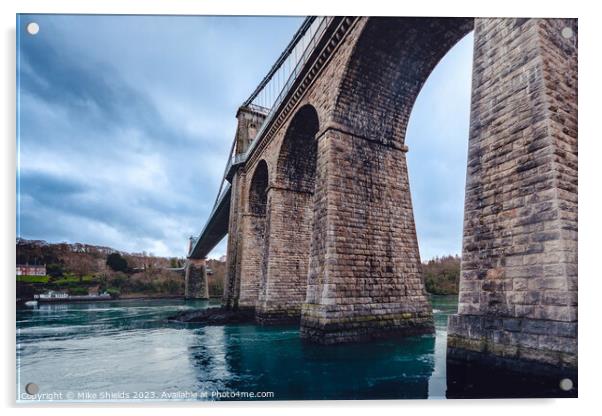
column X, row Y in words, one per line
column 125, row 350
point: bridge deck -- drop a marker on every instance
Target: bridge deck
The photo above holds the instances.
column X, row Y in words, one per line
column 215, row 229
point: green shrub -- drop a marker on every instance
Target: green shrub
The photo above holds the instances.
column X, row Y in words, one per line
column 78, row 291
column 171, row 286
column 55, row 270
column 32, row 279
column 114, row 292
column 70, row 280
column 116, row 262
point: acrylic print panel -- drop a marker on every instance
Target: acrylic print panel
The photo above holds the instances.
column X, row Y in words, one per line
column 218, row 208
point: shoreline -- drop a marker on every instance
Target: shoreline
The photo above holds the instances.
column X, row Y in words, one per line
column 21, row 301
column 140, row 297
column 136, row 296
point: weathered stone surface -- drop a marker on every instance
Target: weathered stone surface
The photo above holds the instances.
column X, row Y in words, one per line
column 235, row 241
column 283, row 285
column 253, row 232
column 196, row 284
column 369, row 285
column 520, row 242
column 321, row 221
column 364, row 277
column 249, row 121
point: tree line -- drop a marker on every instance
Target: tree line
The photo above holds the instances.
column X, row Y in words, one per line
column 79, row 268
column 442, row 275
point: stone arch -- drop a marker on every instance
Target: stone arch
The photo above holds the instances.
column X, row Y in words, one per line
column 296, row 167
column 253, row 225
column 390, row 61
column 258, row 189
column 289, row 220
column 365, row 256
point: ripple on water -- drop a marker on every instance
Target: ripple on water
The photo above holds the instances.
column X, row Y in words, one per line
column 128, row 345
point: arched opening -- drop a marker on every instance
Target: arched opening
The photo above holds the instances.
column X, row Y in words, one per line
column 437, row 137
column 366, row 270
column 296, row 169
column 254, row 220
column 258, row 190
column 289, row 222
column 390, row 63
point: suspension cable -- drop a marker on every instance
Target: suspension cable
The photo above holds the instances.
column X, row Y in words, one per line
column 287, row 51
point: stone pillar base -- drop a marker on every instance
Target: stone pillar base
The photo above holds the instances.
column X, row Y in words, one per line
column 278, row 315
column 246, row 309
column 531, row 346
column 318, row 327
column 196, row 284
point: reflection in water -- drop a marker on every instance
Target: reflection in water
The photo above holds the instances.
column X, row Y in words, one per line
column 275, row 359
column 208, row 358
column 484, row 381
column 443, row 306
column 127, row 346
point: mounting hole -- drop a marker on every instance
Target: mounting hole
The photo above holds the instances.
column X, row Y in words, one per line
column 31, row 388
column 33, row 28
column 566, row 384
column 567, row 33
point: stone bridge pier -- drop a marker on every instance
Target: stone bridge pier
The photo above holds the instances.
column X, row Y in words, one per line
column 364, row 280
column 321, row 225
column 196, row 284
column 246, row 218
column 283, row 284
column 518, row 286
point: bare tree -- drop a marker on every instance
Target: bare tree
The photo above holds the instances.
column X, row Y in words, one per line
column 80, row 265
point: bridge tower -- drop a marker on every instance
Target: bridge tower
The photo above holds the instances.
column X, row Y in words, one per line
column 250, row 118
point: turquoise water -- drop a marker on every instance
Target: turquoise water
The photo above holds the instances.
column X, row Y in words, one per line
column 125, row 350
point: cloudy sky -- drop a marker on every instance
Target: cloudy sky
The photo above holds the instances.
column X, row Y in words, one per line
column 125, row 123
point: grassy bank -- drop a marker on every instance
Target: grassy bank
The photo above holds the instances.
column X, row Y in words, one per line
column 157, row 284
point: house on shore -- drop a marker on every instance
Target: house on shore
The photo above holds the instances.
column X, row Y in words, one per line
column 31, row 270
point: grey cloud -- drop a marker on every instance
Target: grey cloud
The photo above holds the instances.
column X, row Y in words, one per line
column 126, row 123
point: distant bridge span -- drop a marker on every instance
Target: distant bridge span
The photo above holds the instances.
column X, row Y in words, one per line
column 215, row 229
column 316, row 203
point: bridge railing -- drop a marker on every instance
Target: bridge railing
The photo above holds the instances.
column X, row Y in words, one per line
column 287, row 66
column 297, row 54
column 280, row 78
